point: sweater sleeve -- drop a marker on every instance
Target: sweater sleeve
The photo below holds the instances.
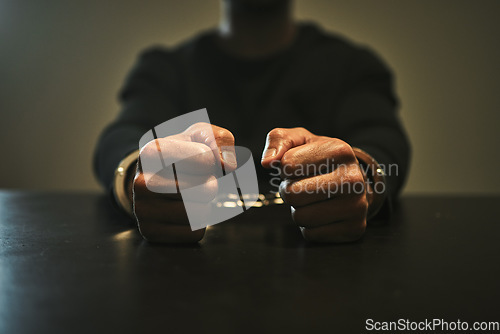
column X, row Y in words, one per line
column 148, row 97
column 367, row 118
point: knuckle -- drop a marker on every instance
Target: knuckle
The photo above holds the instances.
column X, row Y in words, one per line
column 221, row 133
column 197, row 129
column 277, row 133
column 294, row 194
column 330, row 148
column 341, row 150
column 199, row 150
column 357, row 230
column 150, row 149
column 357, row 176
column 363, row 204
column 300, row 129
column 289, row 161
column 361, row 207
column 352, row 175
column 286, row 191
column 199, row 126
column 344, row 150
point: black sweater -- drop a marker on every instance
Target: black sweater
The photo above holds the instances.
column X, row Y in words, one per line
column 321, row 82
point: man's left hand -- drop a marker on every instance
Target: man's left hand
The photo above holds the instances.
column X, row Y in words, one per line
column 322, row 181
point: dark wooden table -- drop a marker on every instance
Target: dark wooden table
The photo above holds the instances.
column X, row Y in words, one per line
column 70, row 264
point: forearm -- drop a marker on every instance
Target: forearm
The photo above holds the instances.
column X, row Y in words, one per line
column 370, row 122
column 116, row 142
column 391, row 149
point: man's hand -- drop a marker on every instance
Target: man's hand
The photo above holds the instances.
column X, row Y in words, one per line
column 162, row 216
column 323, row 183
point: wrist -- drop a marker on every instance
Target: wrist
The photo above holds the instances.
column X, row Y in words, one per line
column 122, row 185
column 376, row 189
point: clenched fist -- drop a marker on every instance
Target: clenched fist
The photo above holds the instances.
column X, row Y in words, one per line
column 322, row 181
column 158, row 205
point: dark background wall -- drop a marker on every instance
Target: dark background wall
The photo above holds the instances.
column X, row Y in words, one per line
column 62, row 63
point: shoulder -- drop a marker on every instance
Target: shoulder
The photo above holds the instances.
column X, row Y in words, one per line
column 156, row 56
column 334, row 47
column 155, row 66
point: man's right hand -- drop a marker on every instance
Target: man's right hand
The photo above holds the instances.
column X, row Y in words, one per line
column 162, row 217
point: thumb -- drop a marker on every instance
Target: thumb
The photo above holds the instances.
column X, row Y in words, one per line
column 224, row 140
column 280, row 140
column 220, row 141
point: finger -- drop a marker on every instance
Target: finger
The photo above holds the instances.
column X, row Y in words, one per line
column 206, row 186
column 219, row 140
column 167, row 211
column 318, row 157
column 225, row 141
column 280, row 140
column 347, row 180
column 346, row 231
column 152, row 186
column 191, row 157
column 330, row 211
